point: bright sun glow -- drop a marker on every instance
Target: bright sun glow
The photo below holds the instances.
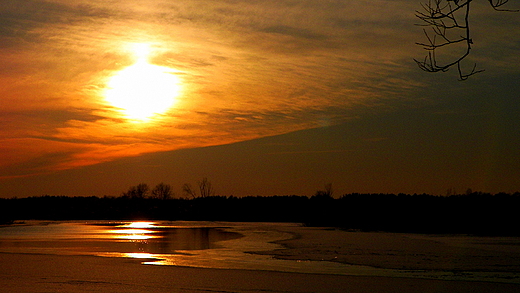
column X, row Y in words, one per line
column 143, row 90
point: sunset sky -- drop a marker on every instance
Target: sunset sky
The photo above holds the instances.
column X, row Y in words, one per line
column 261, row 97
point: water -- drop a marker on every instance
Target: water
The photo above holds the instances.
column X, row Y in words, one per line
column 194, row 244
column 111, row 237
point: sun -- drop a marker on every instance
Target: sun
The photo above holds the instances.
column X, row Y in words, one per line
column 142, row 90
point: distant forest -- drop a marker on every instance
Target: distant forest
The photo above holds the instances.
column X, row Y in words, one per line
column 472, row 213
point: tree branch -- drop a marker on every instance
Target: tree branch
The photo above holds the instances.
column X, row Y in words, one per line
column 449, row 25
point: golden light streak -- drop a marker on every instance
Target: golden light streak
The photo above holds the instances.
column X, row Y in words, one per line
column 140, row 255
column 140, row 225
column 133, row 234
column 135, row 231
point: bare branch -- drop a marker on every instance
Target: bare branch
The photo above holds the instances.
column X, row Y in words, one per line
column 205, row 187
column 497, row 3
column 449, row 25
column 188, row 190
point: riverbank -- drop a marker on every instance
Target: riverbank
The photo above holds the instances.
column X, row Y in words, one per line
column 402, row 251
column 24, row 273
column 354, row 261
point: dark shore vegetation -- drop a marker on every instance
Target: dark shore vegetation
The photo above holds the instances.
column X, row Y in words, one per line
column 473, row 213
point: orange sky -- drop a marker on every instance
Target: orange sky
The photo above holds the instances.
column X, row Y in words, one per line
column 232, row 71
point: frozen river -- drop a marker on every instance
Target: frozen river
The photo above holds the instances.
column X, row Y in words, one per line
column 200, row 244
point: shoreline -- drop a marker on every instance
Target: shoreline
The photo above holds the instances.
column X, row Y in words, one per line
column 369, row 257
column 24, row 273
column 356, row 248
column 403, row 255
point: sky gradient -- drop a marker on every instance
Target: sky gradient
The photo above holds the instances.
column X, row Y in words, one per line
column 272, row 97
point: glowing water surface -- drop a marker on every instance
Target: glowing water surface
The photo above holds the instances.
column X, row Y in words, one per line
column 111, row 238
column 193, row 244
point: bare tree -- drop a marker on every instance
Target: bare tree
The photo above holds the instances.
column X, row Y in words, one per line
column 205, row 187
column 139, row 191
column 449, row 25
column 188, row 190
column 142, row 190
column 324, row 194
column 162, row 191
column 328, row 189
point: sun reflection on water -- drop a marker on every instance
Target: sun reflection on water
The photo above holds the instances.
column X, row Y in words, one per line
column 140, row 225
column 135, row 231
column 133, row 234
column 140, row 255
column 157, row 244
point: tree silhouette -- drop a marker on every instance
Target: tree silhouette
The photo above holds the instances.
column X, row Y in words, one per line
column 205, row 187
column 188, row 190
column 324, row 194
column 139, row 191
column 162, row 191
column 474, row 213
column 449, row 25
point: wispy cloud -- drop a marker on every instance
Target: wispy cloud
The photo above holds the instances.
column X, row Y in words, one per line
column 249, row 69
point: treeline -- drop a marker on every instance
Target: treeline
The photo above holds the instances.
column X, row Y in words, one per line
column 473, row 213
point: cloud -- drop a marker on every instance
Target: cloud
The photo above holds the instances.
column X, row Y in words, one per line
column 249, row 69
column 30, row 156
column 294, row 32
